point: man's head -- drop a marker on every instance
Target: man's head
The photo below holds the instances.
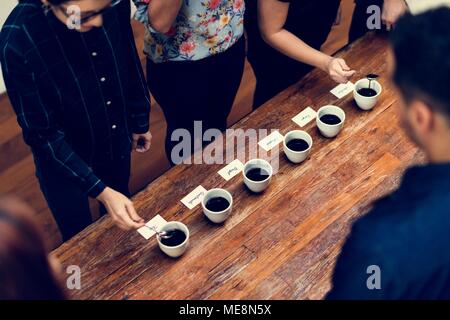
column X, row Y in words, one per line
column 421, row 70
column 89, row 10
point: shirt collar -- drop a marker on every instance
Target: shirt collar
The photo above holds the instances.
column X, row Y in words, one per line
column 423, row 179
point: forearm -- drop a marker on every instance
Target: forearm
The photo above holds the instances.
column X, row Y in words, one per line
column 56, row 152
column 293, row 47
column 162, row 14
column 272, row 16
column 40, row 126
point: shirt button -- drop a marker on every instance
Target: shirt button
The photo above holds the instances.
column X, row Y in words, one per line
column 102, row 79
column 108, row 103
column 94, row 54
column 114, row 127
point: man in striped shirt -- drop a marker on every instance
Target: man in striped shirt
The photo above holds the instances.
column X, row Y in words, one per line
column 76, row 84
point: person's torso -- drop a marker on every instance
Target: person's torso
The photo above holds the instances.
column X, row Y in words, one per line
column 310, row 20
column 80, row 78
column 201, row 29
column 410, row 233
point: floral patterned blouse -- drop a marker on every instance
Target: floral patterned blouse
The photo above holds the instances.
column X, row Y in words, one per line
column 201, row 29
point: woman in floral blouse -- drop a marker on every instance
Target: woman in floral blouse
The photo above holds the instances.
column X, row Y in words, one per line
column 195, row 61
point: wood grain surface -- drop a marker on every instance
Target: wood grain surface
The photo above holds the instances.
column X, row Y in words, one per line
column 281, row 244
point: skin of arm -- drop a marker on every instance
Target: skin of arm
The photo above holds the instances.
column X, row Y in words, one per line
column 392, row 11
column 272, row 16
column 162, row 14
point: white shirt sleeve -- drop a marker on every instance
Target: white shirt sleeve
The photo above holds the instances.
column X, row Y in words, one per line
column 419, row 6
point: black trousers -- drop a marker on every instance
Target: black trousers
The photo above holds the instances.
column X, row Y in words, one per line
column 202, row 90
column 69, row 205
column 360, row 16
column 310, row 20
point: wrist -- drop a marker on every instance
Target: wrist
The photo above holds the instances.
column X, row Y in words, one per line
column 104, row 195
column 326, row 62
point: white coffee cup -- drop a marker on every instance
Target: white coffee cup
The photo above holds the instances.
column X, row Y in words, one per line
column 297, row 156
column 329, row 130
column 367, row 103
column 179, row 250
column 257, row 186
column 217, row 217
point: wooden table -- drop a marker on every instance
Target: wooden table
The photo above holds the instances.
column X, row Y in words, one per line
column 279, row 245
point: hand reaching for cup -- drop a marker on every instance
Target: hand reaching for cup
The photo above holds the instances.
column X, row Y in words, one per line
column 339, row 71
column 121, row 209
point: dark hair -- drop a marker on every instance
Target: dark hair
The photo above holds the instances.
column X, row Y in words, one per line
column 57, row 2
column 53, row 2
column 25, row 271
column 421, row 46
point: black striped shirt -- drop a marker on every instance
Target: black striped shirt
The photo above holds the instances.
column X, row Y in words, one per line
column 78, row 96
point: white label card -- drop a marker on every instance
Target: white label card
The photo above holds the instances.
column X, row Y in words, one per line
column 194, row 198
column 231, row 170
column 305, row 117
column 271, row 140
column 343, row 89
column 157, row 223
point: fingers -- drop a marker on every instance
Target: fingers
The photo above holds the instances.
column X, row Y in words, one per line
column 123, row 220
column 345, row 71
column 145, row 147
column 341, row 72
column 390, row 20
column 343, row 64
column 389, row 25
column 148, row 142
column 348, row 74
column 124, row 216
column 122, row 212
column 133, row 214
column 142, row 143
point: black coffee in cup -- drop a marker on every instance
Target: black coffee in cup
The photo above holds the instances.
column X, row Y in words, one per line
column 297, row 145
column 330, row 119
column 257, row 174
column 217, row 204
column 367, row 92
column 176, row 238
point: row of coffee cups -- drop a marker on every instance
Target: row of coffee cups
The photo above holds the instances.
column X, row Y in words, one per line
column 217, row 203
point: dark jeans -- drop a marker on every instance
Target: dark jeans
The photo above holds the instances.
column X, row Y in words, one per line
column 69, row 205
column 202, row 90
column 360, row 16
column 310, row 20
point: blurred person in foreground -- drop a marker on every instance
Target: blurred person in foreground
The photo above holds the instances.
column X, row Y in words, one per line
column 399, row 250
column 27, row 272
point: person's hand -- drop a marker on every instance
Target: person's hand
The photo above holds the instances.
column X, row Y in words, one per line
column 339, row 71
column 142, row 142
column 121, row 209
column 392, row 11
